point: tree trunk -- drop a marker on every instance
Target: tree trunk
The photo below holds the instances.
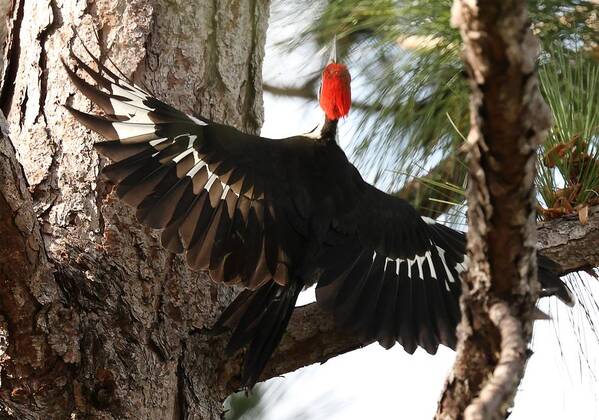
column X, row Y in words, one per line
column 96, row 319
column 508, row 120
column 100, row 321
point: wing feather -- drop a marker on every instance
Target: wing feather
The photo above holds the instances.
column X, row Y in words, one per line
column 401, row 285
column 214, row 191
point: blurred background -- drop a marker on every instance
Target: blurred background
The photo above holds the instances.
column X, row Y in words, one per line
column 409, row 118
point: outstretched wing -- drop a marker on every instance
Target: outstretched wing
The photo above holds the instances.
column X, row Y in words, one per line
column 220, row 196
column 394, row 277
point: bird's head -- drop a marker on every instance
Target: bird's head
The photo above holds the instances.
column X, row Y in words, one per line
column 335, row 90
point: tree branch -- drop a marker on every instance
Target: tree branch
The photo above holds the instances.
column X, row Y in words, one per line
column 570, row 243
column 508, row 119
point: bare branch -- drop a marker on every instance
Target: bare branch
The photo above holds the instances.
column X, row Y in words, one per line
column 571, row 243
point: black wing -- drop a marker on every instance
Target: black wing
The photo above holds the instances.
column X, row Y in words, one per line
column 393, row 276
column 220, row 195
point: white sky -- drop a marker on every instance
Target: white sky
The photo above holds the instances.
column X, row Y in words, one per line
column 377, row 383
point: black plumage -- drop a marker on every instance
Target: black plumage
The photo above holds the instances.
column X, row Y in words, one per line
column 276, row 216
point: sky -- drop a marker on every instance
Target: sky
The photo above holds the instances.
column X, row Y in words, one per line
column 377, row 383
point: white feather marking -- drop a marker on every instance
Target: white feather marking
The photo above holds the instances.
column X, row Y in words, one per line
column 134, row 113
column 225, row 186
column 196, row 157
column 196, row 120
column 196, row 168
column 181, row 155
column 157, row 141
column 373, row 256
column 398, row 263
column 226, row 189
column 450, row 277
column 429, row 221
column 420, row 259
column 133, row 97
column 192, row 139
column 210, row 181
column 127, row 130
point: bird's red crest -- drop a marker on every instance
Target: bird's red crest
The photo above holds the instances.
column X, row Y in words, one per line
column 335, row 93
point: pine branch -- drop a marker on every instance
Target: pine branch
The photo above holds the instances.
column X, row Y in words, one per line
column 432, row 202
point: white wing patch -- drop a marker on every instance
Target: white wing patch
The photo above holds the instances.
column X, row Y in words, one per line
column 133, row 98
column 196, row 120
column 156, row 142
column 419, row 261
column 130, row 133
column 181, row 155
column 429, row 221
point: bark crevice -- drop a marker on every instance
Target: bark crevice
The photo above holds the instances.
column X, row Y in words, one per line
column 11, row 56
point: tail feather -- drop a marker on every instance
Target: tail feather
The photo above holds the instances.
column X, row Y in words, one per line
column 258, row 319
column 551, row 283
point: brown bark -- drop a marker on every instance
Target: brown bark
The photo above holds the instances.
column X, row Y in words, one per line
column 118, row 330
column 508, row 120
column 28, row 292
column 100, row 321
column 571, row 243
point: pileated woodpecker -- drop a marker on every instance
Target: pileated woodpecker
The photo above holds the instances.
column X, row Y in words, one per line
column 277, row 216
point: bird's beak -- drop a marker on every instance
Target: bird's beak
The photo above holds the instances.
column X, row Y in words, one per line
column 333, row 57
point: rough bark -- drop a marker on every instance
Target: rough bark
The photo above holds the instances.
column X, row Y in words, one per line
column 571, row 243
column 117, row 330
column 28, row 291
column 508, row 120
column 4, row 11
column 97, row 321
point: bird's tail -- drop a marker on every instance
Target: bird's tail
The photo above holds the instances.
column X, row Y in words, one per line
column 551, row 283
column 258, row 319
